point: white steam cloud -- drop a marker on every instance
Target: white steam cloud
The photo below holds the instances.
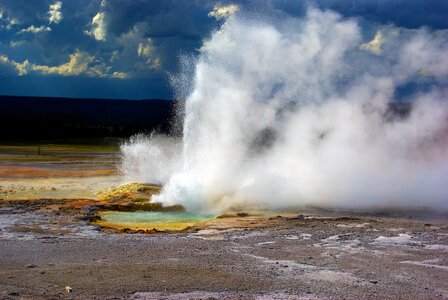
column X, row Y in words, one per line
column 150, row 159
column 55, row 14
column 293, row 113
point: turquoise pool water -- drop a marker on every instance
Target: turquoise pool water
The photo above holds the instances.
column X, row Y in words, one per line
column 149, row 220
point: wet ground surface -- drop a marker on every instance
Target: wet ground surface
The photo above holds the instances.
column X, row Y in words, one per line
column 56, row 171
column 48, row 248
column 331, row 257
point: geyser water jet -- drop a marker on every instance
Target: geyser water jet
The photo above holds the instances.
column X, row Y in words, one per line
column 297, row 111
column 150, row 158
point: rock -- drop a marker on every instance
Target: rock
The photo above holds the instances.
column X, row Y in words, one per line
column 242, row 214
column 88, row 218
column 131, row 192
column 68, row 289
column 232, row 215
column 128, row 197
column 89, row 210
column 32, row 266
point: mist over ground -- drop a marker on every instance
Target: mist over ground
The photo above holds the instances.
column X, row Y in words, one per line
column 285, row 112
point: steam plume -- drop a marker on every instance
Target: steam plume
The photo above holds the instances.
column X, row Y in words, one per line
column 293, row 112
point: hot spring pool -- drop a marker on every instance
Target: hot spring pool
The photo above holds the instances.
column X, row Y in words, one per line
column 149, row 220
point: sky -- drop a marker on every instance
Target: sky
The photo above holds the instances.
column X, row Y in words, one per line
column 129, row 49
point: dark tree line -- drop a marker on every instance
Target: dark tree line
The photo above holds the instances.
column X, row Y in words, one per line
column 39, row 118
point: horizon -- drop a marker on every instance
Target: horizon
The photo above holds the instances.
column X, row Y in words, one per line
column 86, row 98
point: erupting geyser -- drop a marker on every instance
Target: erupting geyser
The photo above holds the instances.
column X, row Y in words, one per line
column 291, row 112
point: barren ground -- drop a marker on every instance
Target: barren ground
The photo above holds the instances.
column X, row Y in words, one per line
column 283, row 255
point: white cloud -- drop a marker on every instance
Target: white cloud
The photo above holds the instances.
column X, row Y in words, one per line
column 14, row 44
column 12, row 23
column 115, row 55
column 98, row 27
column 220, row 12
column 78, row 63
column 4, row 59
column 145, row 48
column 98, row 70
column 374, row 46
column 55, row 14
column 154, row 63
column 134, row 36
column 120, row 75
column 136, row 49
column 34, row 29
column 22, row 68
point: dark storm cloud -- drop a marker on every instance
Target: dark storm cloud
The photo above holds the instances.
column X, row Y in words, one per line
column 25, row 11
column 134, row 45
column 173, row 27
column 187, row 19
column 84, row 87
column 51, row 47
column 402, row 13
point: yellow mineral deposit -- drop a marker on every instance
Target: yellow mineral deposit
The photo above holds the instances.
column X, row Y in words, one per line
column 130, row 192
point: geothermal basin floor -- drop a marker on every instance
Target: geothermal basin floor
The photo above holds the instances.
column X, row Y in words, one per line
column 318, row 255
column 310, row 257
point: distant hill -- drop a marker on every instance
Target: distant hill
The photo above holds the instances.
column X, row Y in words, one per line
column 40, row 118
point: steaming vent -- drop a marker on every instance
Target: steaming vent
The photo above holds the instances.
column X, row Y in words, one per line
column 305, row 111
